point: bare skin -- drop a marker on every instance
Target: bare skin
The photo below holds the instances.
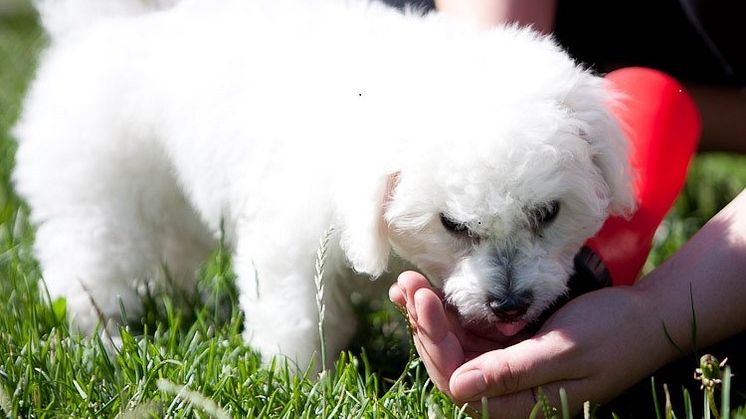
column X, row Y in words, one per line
column 598, row 344
column 488, row 13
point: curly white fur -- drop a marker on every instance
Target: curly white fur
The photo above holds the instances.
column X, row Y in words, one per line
column 146, row 130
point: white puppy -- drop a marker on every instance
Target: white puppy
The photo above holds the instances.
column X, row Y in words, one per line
column 484, row 158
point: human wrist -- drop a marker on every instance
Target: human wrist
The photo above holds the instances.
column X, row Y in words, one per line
column 643, row 341
column 665, row 328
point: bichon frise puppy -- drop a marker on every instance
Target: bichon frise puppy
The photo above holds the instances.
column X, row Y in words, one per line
column 483, row 158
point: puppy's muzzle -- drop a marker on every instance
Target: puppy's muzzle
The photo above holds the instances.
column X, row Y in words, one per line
column 510, row 307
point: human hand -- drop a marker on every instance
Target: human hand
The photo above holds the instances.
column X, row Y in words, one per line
column 594, row 347
column 443, row 342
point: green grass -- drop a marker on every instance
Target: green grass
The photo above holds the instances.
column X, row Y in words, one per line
column 188, row 360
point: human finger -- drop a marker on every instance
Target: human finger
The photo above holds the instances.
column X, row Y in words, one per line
column 438, row 347
column 409, row 282
column 438, row 375
column 396, row 295
column 434, row 324
column 403, row 292
column 525, row 365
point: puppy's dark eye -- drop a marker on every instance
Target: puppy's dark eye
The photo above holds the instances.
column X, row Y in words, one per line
column 547, row 214
column 453, row 226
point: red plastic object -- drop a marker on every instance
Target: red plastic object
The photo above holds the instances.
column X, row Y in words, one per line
column 663, row 126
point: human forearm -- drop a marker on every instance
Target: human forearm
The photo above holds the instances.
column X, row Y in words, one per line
column 487, row 13
column 713, row 264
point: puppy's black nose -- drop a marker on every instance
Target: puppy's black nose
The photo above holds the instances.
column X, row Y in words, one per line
column 510, row 307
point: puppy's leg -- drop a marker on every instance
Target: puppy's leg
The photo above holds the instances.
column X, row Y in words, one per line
column 278, row 297
column 280, row 310
column 94, row 263
column 109, row 217
column 103, row 253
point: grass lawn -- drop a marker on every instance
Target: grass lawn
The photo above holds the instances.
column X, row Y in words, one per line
column 188, row 359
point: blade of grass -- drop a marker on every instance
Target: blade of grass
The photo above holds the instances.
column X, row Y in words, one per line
column 565, row 405
column 688, row 405
column 725, row 394
column 656, row 405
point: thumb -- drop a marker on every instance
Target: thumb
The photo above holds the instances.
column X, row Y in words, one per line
column 525, row 365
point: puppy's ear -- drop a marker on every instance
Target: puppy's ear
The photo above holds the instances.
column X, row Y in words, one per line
column 363, row 232
column 611, row 154
column 592, row 103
